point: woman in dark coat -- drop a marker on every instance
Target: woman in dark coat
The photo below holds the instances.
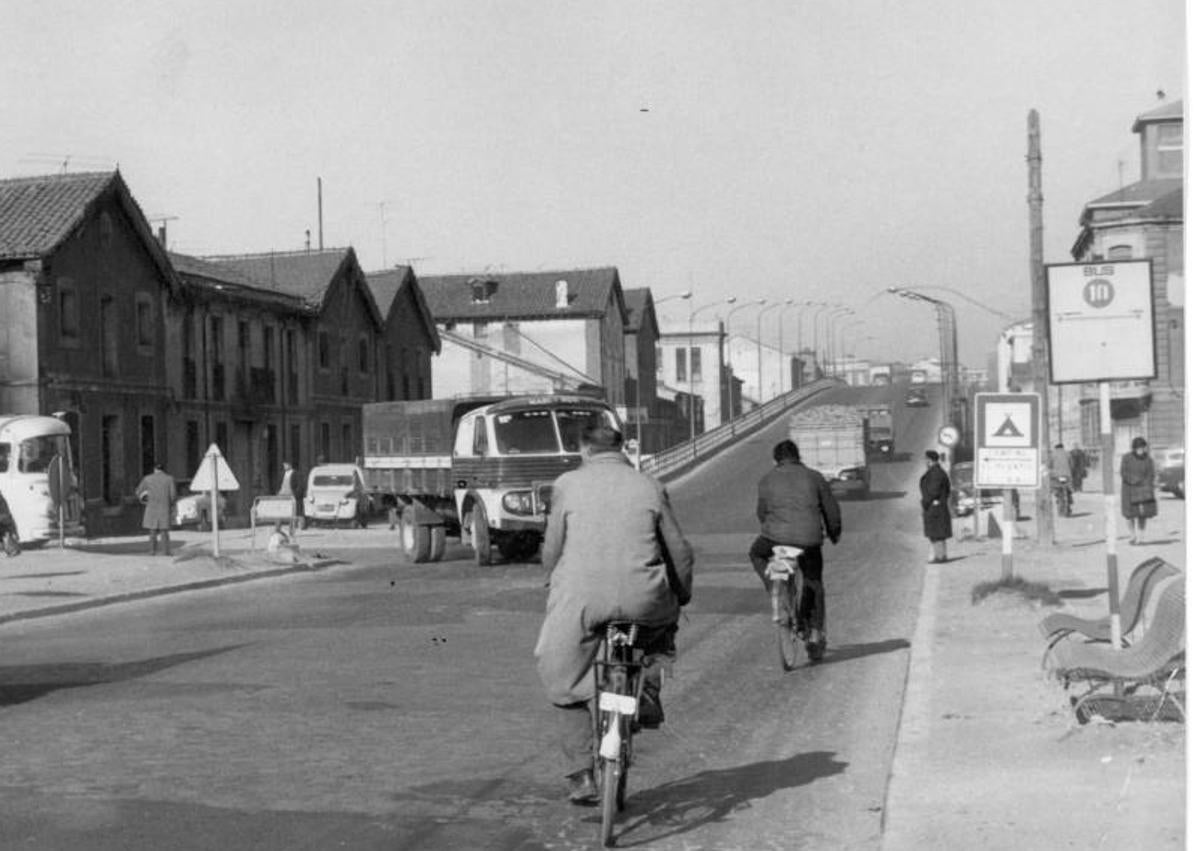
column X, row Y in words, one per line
column 935, row 507
column 1137, row 489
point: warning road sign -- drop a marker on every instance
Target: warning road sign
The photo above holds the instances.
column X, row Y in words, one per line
column 1006, row 440
column 214, row 469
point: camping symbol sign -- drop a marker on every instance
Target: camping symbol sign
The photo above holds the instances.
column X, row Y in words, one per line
column 1007, row 440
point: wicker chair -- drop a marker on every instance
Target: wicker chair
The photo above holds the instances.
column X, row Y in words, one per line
column 1132, row 607
column 1156, row 661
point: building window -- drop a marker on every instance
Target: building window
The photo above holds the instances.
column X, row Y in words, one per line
column 217, row 340
column 348, row 452
column 223, row 437
column 145, row 321
column 364, row 360
column 680, row 364
column 108, row 336
column 68, row 312
column 268, row 358
column 294, row 440
column 191, row 444
column 1120, row 252
column 697, row 373
column 149, row 457
column 323, row 350
column 293, row 369
column 325, row 441
column 658, row 358
column 1170, row 150
column 110, row 459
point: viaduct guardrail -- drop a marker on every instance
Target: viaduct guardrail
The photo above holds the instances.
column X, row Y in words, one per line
column 682, row 457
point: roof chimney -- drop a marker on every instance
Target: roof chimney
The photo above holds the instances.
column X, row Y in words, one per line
column 560, row 295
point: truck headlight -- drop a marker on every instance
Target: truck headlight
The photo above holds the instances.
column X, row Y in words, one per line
column 518, row 502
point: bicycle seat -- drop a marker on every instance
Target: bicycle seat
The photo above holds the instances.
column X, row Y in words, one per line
column 782, row 551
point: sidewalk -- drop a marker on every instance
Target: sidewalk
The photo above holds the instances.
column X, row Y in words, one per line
column 989, row 754
column 100, row 571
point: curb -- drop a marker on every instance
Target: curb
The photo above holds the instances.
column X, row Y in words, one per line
column 131, row 596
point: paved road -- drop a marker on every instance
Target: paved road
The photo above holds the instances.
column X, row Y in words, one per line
column 380, row 705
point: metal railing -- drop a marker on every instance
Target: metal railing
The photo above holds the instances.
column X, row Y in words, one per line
column 679, row 458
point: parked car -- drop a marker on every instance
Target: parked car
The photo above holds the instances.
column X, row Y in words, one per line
column 916, row 399
column 194, row 508
column 337, row 493
column 963, row 498
column 1169, row 468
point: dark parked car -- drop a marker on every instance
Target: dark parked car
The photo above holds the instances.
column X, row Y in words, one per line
column 916, row 399
column 1170, row 472
column 963, row 499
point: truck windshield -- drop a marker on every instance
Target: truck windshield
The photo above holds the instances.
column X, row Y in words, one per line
column 573, row 422
column 525, row 432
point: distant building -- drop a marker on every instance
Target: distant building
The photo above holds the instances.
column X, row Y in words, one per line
column 84, row 290
column 528, row 332
column 1145, row 220
column 691, row 369
column 410, row 335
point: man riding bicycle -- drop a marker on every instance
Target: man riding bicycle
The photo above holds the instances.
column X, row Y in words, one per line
column 614, row 551
column 796, row 507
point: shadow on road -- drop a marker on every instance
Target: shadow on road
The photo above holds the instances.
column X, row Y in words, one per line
column 1081, row 593
column 23, row 683
column 846, row 652
column 873, row 496
column 710, row 796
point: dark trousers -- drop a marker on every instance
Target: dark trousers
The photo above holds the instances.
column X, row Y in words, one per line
column 812, row 566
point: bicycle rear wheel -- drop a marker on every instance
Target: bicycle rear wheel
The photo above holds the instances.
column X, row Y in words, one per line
column 612, row 781
column 787, row 630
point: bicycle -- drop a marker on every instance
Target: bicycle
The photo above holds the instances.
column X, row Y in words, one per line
column 1062, row 495
column 620, row 670
column 791, row 629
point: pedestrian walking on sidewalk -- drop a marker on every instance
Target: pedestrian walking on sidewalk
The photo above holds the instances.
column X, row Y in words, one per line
column 935, row 507
column 1137, row 489
column 1079, row 467
column 157, row 493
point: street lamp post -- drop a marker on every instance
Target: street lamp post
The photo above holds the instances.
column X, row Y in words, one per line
column 691, row 371
column 728, row 328
column 789, row 303
column 947, row 346
column 831, row 344
column 758, row 338
column 821, row 307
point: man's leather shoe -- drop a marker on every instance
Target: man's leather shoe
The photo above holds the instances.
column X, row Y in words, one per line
column 583, row 791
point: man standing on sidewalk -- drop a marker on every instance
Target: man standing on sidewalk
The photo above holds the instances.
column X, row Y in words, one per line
column 157, row 492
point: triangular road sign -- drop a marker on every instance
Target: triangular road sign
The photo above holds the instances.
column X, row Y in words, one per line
column 1008, row 429
column 214, row 467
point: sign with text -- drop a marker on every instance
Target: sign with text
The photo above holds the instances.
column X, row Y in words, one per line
column 1007, row 442
column 1101, row 318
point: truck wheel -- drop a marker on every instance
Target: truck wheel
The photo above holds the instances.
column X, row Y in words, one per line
column 437, row 542
column 481, row 535
column 414, row 539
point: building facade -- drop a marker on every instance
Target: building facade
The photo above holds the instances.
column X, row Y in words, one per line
column 529, row 332
column 1145, row 220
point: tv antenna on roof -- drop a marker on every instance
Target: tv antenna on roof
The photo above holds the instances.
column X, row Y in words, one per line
column 63, row 161
column 161, row 221
column 382, row 230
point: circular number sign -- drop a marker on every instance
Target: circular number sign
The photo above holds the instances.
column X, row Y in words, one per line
column 1098, row 292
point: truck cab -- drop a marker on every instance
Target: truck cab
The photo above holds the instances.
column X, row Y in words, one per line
column 505, row 459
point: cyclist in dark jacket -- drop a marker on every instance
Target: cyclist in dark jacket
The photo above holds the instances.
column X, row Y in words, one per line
column 797, row 508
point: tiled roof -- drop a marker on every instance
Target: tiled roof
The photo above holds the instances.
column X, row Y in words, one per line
column 306, row 274
column 385, row 285
column 229, row 281
column 1172, row 111
column 640, row 304
column 1169, row 206
column 1142, row 192
column 37, row 213
column 528, row 295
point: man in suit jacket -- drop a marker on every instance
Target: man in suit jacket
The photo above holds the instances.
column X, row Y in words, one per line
column 157, row 493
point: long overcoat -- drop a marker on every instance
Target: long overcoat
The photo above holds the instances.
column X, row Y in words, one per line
column 614, row 551
column 157, row 492
column 1137, row 486
column 935, row 504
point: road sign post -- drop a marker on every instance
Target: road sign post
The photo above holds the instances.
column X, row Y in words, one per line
column 213, row 475
column 1007, row 455
column 1101, row 318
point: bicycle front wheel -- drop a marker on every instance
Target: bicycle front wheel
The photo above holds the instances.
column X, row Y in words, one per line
column 612, row 779
column 787, row 629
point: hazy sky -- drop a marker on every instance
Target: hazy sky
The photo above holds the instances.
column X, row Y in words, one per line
column 812, row 149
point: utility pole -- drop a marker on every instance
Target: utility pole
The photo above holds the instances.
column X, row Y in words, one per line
column 1038, row 299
